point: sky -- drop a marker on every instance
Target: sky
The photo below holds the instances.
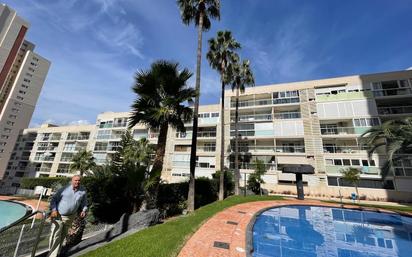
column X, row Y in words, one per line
column 96, row 46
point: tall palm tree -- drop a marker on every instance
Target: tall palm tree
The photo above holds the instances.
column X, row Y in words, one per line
column 162, row 98
column 221, row 56
column 82, row 161
column 200, row 12
column 395, row 137
column 242, row 77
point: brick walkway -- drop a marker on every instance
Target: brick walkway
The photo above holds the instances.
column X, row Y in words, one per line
column 229, row 227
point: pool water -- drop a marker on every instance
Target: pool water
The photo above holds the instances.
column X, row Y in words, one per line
column 10, row 212
column 321, row 231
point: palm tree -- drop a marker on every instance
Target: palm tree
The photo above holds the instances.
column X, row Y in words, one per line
column 221, row 56
column 395, row 137
column 82, row 161
column 352, row 175
column 199, row 12
column 242, row 77
column 162, row 94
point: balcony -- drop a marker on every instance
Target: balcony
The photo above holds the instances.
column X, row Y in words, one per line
column 344, row 149
column 395, row 110
column 206, row 148
column 252, row 166
column 200, row 134
column 66, row 159
column 255, row 117
column 286, row 100
column 120, row 125
column 287, row 115
column 253, row 102
column 43, row 158
column 343, row 96
column 337, row 130
column 277, row 149
column 365, row 170
column 392, row 92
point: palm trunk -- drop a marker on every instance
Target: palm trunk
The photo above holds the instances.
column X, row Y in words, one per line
column 222, row 146
column 150, row 198
column 237, row 174
column 191, row 193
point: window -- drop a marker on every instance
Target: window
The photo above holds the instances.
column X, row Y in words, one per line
column 20, row 98
column 11, row 116
column 7, row 130
column 17, row 104
column 31, row 69
column 337, row 162
column 355, row 162
column 346, row 162
column 29, row 74
column 22, row 92
column 215, row 114
column 10, row 123
column 26, row 80
column 365, row 163
column 329, row 162
column 372, row 163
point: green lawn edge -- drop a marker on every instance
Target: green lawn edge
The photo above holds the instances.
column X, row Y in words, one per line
column 166, row 240
column 405, row 208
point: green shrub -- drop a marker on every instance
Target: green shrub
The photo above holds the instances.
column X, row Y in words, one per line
column 49, row 182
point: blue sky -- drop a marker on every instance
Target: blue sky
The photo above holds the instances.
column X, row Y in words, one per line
column 96, row 46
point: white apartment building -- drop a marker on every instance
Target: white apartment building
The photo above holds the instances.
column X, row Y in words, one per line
column 22, row 76
column 316, row 122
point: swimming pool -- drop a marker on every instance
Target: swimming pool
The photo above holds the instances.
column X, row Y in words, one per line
column 322, row 231
column 10, row 212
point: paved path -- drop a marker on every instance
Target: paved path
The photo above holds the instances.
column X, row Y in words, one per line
column 229, row 227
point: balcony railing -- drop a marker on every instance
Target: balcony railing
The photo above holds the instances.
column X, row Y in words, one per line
column 41, row 158
column 66, row 159
column 287, row 115
column 344, row 149
column 256, row 117
column 118, row 125
column 392, row 92
column 206, row 148
column 286, row 100
column 277, row 149
column 203, row 134
column 78, row 137
column 247, row 103
column 337, row 130
column 395, row 110
column 252, row 166
column 365, row 170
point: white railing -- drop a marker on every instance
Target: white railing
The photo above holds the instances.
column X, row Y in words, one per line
column 287, row 115
column 344, row 149
column 278, row 149
column 337, row 130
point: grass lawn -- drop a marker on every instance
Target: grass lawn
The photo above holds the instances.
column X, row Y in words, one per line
column 404, row 208
column 167, row 239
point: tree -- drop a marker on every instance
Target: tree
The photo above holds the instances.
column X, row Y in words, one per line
column 162, row 98
column 221, row 56
column 82, row 161
column 242, row 77
column 352, row 175
column 255, row 179
column 131, row 161
column 395, row 138
column 200, row 12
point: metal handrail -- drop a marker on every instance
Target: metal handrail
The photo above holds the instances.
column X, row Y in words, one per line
column 26, row 217
column 21, row 220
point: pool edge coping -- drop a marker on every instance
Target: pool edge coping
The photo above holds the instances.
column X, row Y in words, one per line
column 29, row 210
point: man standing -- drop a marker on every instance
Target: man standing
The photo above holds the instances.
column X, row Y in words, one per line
column 65, row 204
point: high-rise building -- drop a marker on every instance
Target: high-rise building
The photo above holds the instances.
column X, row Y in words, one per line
column 22, row 75
column 318, row 123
